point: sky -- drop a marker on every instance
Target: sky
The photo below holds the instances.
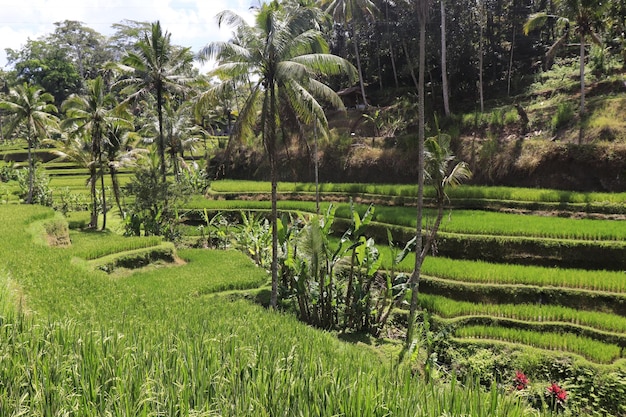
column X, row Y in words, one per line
column 190, row 22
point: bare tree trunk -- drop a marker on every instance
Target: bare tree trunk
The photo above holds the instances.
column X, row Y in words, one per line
column 508, row 87
column 480, row 71
column 582, row 75
column 444, row 60
column 393, row 65
column 582, row 87
column 411, row 70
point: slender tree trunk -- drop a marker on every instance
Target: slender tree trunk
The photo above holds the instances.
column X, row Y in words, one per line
column 94, row 201
column 480, row 71
column 508, row 86
column 317, row 163
column 416, row 275
column 393, row 65
column 104, row 199
column 582, row 87
column 271, row 147
column 411, row 70
column 161, row 144
column 116, row 190
column 444, row 60
column 31, row 168
column 391, row 53
column 358, row 65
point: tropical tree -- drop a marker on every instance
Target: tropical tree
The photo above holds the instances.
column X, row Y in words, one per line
column 345, row 12
column 282, row 57
column 31, row 107
column 157, row 68
column 94, row 114
column 586, row 16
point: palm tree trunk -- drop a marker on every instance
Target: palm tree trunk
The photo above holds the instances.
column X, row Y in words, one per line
column 104, row 199
column 582, row 87
column 31, row 168
column 510, row 72
column 582, row 76
column 416, row 275
column 358, row 65
column 444, row 61
column 271, row 147
column 116, row 190
column 480, row 71
column 94, row 201
column 161, row 144
column 410, row 63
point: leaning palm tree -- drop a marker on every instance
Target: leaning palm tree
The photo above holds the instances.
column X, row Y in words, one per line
column 94, row 114
column 283, row 56
column 31, row 107
column 157, row 68
column 586, row 16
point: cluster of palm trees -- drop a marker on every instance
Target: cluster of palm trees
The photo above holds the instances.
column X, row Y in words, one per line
column 98, row 128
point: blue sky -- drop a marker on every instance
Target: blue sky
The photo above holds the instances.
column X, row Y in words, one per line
column 191, row 22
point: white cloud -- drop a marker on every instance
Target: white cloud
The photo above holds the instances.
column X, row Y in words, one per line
column 190, row 22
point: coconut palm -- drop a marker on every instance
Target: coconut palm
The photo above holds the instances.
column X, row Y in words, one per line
column 345, row 12
column 442, row 171
column 157, row 68
column 93, row 115
column 282, row 56
column 586, row 16
column 31, row 107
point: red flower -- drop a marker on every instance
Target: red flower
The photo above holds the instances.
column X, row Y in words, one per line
column 520, row 381
column 557, row 393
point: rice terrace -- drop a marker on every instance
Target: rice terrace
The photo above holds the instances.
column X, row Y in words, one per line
column 308, row 229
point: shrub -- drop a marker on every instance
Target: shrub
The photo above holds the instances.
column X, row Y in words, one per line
column 41, row 186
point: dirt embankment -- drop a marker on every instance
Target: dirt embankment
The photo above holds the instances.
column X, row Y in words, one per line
column 509, row 162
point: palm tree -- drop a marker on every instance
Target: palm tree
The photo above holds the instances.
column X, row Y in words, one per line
column 282, row 57
column 586, row 15
column 157, row 68
column 442, row 171
column 344, row 12
column 93, row 115
column 32, row 107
